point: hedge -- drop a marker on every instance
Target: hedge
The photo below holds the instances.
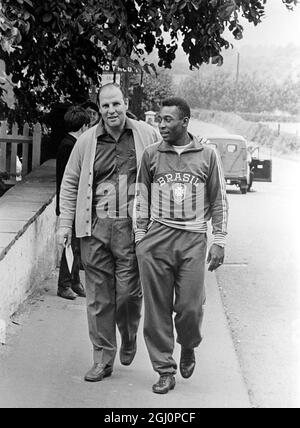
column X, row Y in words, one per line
column 252, row 131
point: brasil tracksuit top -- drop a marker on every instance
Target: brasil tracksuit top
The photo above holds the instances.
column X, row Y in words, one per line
column 182, row 191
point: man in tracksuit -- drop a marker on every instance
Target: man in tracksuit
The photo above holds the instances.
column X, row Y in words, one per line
column 180, row 187
column 99, row 185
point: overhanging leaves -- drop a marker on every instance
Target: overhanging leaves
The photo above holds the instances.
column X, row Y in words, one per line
column 64, row 44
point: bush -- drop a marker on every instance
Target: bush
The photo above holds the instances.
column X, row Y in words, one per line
column 256, row 132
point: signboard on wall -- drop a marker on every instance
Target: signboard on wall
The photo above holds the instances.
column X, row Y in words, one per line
column 109, row 78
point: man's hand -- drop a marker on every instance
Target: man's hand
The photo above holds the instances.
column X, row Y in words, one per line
column 215, row 257
column 64, row 236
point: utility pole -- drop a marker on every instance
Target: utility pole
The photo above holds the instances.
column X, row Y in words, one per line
column 236, row 82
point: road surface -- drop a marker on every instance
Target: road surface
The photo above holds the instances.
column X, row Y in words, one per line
column 260, row 282
column 48, row 352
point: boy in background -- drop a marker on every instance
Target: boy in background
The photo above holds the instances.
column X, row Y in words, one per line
column 76, row 122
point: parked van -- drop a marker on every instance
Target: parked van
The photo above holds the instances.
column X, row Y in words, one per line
column 239, row 167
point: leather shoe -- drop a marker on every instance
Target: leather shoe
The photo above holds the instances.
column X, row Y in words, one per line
column 98, row 372
column 187, row 362
column 79, row 289
column 66, row 293
column 165, row 383
column 127, row 353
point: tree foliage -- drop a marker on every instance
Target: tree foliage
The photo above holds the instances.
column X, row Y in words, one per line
column 255, row 94
column 147, row 95
column 57, row 48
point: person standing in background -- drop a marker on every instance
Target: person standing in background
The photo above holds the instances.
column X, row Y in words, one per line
column 76, row 121
column 93, row 111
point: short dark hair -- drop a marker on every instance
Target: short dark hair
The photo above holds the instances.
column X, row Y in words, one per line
column 75, row 118
column 90, row 104
column 180, row 103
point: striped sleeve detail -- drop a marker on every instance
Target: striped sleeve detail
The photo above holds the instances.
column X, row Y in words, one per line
column 219, row 239
column 134, row 212
column 141, row 209
column 139, row 234
column 220, row 236
column 136, row 203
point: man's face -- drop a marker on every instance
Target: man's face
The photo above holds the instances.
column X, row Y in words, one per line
column 171, row 124
column 112, row 107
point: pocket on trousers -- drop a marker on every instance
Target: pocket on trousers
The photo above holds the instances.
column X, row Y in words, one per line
column 140, row 247
column 139, row 242
column 146, row 234
column 94, row 221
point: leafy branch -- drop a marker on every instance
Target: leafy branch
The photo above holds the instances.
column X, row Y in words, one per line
column 55, row 49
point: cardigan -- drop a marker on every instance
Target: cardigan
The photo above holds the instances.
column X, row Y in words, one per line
column 63, row 154
column 77, row 185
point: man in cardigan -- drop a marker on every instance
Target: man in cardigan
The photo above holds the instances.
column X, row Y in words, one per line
column 98, row 186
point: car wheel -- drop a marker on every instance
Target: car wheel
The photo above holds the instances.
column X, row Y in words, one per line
column 243, row 187
column 250, row 181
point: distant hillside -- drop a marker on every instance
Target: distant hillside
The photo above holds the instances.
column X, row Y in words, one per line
column 275, row 62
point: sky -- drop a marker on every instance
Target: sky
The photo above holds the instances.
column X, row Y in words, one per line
column 279, row 27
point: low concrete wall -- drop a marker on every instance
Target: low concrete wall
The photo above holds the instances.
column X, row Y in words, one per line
column 28, row 251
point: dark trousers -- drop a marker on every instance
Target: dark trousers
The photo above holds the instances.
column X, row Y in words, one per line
column 113, row 291
column 65, row 277
column 171, row 263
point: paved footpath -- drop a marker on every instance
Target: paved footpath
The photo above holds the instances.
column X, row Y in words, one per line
column 48, row 351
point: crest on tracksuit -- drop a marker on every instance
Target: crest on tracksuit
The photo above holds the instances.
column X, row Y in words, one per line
column 179, row 192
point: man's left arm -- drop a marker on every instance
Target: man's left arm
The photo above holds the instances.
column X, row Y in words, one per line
column 142, row 202
column 216, row 191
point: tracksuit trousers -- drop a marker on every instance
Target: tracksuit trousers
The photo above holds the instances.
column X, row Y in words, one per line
column 113, row 290
column 171, row 263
